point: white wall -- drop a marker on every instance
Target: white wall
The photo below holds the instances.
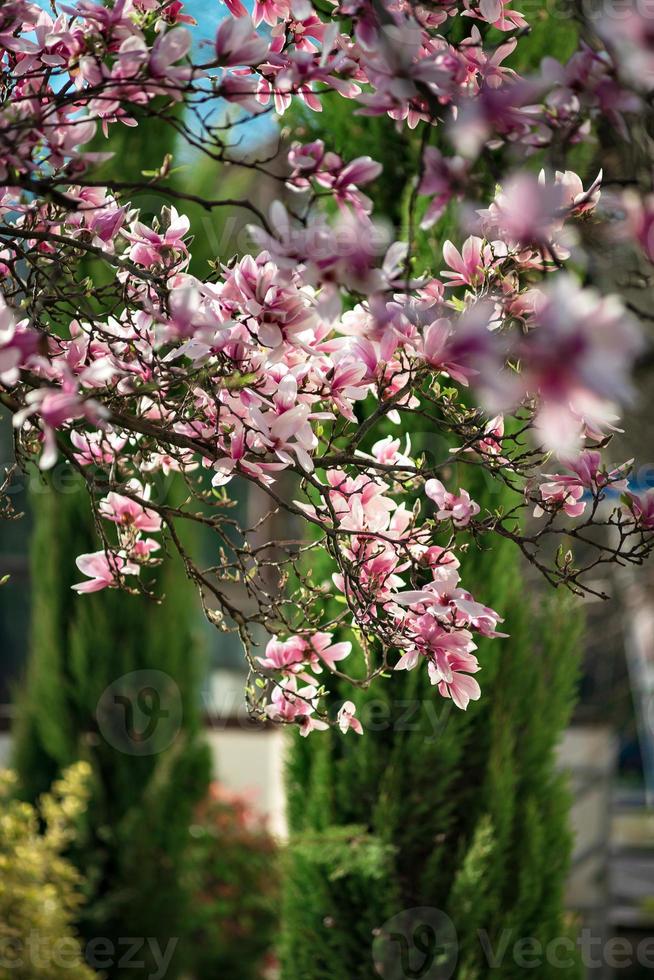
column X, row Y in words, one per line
column 252, row 763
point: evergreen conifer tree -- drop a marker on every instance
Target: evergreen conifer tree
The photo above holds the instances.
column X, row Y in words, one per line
column 470, row 804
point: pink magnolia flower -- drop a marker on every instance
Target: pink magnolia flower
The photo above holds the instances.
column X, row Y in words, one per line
column 237, row 459
column 591, row 473
column 377, row 564
column 387, row 452
column 306, row 158
column 360, row 503
column 448, row 350
column 449, row 657
column 100, row 447
column 488, row 67
column 456, row 682
column 295, row 654
column 561, row 494
column 17, row 342
column 98, row 213
column 103, row 569
column 129, row 513
column 639, row 221
column 56, row 406
column 495, row 12
column 290, row 704
column 443, row 601
column 143, row 548
column 169, row 47
column 443, row 179
column 460, row 508
column 172, row 13
column 236, row 8
column 346, row 718
column 490, row 443
column 577, row 359
column 343, row 180
column 532, row 211
column 167, row 247
column 237, row 43
column 310, row 724
column 587, row 470
column 576, row 200
column 321, row 646
column 443, row 565
column 566, row 491
column 346, row 384
column 303, row 29
column 287, row 655
column 475, row 615
column 181, row 462
column 474, row 263
column 286, row 427
column 270, row 11
column 525, row 211
column 437, row 642
column 641, row 506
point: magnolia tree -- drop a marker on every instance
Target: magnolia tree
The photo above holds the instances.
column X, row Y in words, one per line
column 289, row 366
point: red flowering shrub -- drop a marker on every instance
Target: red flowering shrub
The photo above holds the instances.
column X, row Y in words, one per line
column 237, row 889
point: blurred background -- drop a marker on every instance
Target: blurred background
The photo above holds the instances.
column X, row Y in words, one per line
column 187, row 821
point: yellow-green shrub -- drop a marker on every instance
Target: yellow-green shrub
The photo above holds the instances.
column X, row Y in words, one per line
column 39, row 888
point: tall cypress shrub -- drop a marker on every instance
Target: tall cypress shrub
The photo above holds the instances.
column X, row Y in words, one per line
column 470, row 804
column 467, row 806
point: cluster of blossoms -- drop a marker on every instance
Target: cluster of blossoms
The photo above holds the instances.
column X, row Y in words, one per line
column 287, row 368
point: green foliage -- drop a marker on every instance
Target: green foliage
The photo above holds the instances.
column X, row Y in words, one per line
column 133, row 840
column 553, row 32
column 338, row 892
column 39, row 889
column 469, row 802
column 235, row 879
